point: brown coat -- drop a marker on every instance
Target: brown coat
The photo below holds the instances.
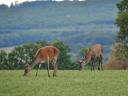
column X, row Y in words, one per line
column 95, row 51
column 48, row 52
column 44, row 54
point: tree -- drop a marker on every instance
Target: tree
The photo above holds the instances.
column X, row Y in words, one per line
column 12, row 5
column 121, row 49
column 3, row 6
column 13, row 60
column 122, row 21
column 3, row 60
column 123, row 6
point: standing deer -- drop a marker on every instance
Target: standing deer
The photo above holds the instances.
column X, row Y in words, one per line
column 44, row 55
column 95, row 53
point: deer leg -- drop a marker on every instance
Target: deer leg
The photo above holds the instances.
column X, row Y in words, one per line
column 80, row 67
column 37, row 70
column 48, row 67
column 39, row 65
column 99, row 64
column 92, row 61
column 55, row 68
column 91, row 65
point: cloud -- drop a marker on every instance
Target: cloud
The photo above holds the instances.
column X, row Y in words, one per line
column 8, row 2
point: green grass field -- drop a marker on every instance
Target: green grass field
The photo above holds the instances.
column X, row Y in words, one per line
column 67, row 83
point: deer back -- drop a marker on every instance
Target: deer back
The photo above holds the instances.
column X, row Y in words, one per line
column 96, row 50
column 48, row 52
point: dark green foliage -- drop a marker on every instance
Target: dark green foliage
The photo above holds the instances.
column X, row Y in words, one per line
column 84, row 51
column 3, row 60
column 122, row 21
column 121, row 51
column 123, row 6
column 24, row 54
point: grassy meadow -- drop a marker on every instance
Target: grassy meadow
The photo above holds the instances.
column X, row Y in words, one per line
column 67, row 83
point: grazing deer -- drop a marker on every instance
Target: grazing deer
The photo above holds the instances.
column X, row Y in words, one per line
column 95, row 53
column 46, row 54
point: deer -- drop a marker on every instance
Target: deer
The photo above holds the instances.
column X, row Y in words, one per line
column 95, row 53
column 43, row 55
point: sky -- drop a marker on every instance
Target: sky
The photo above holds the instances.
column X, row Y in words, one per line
column 8, row 2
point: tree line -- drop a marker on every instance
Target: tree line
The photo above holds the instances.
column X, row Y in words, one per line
column 24, row 54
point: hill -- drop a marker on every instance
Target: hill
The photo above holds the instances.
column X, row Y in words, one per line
column 79, row 24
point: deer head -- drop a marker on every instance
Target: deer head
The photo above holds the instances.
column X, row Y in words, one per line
column 85, row 60
column 27, row 69
column 80, row 62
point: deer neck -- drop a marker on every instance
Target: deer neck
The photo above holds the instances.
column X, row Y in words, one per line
column 89, row 56
column 34, row 62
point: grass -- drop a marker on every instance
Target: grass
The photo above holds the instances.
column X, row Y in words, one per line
column 67, row 83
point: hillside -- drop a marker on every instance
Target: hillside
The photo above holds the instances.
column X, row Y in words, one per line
column 79, row 24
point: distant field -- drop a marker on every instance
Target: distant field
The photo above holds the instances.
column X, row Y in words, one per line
column 68, row 83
